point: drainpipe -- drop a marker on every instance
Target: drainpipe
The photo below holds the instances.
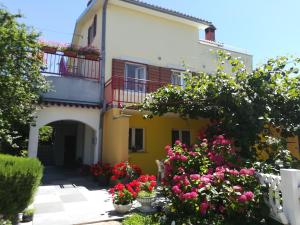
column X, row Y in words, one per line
column 102, row 76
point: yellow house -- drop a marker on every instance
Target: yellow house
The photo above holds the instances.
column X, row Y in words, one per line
column 143, row 47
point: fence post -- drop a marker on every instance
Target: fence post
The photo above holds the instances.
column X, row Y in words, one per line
column 290, row 181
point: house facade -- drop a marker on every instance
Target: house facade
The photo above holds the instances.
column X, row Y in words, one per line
column 143, row 47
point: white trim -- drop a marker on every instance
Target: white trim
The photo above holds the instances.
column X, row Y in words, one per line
column 133, row 139
column 136, row 78
column 180, row 74
column 180, row 133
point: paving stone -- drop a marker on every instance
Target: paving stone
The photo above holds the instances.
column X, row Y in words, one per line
column 49, row 207
column 77, row 197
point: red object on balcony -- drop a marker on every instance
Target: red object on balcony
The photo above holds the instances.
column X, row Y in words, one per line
column 62, row 65
column 120, row 91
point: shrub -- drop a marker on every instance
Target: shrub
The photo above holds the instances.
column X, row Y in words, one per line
column 125, row 170
column 139, row 219
column 19, row 179
column 207, row 185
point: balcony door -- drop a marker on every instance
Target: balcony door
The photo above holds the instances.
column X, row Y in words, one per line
column 135, row 77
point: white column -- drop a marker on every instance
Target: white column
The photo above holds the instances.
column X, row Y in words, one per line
column 96, row 146
column 290, row 181
column 33, row 141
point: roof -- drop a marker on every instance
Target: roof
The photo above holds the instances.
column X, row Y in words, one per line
column 168, row 11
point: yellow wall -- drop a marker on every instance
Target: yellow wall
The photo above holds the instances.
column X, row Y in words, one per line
column 158, row 135
column 115, row 140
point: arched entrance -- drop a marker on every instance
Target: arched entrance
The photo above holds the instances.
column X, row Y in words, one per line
column 66, row 143
column 75, row 136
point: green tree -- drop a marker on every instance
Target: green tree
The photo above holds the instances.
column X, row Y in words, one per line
column 21, row 82
column 242, row 102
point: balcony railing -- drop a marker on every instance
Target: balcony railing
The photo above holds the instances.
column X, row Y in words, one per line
column 68, row 66
column 120, row 91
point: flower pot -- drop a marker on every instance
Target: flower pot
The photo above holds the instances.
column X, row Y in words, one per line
column 70, row 53
column 91, row 57
column 27, row 218
column 49, row 49
column 146, row 204
column 122, row 208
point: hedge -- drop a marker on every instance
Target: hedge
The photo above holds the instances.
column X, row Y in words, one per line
column 19, row 179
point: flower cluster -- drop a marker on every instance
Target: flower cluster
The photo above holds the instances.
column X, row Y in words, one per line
column 99, row 169
column 207, row 180
column 125, row 170
column 124, row 194
column 147, row 183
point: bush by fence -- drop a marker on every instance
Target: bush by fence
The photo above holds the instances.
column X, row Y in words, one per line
column 19, row 179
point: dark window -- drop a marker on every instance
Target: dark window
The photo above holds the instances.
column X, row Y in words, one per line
column 136, row 139
column 95, row 26
column 186, row 137
column 175, row 136
column 183, row 135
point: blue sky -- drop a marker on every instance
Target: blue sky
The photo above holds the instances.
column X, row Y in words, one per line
column 265, row 28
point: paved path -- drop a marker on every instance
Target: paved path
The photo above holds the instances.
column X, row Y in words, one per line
column 65, row 199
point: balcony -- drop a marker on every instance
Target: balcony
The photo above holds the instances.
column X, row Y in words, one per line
column 120, row 91
column 73, row 78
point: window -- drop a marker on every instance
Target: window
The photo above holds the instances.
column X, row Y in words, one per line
column 92, row 31
column 136, row 139
column 177, row 78
column 183, row 135
column 135, row 77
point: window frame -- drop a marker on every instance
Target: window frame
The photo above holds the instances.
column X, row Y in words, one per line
column 140, row 81
column 133, row 129
column 180, row 134
column 180, row 74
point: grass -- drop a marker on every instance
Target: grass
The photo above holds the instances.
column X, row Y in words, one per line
column 140, row 219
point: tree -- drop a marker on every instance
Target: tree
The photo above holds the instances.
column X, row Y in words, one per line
column 21, row 82
column 241, row 103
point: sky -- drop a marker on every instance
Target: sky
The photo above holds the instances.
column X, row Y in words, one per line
column 265, row 28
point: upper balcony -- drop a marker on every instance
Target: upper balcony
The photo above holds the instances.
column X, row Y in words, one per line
column 120, row 91
column 74, row 77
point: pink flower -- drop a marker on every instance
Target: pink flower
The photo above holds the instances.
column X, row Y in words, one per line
column 194, row 195
column 249, row 195
column 176, row 189
column 178, row 142
column 237, row 188
column 203, row 208
column 167, row 148
column 242, row 198
column 183, row 158
column 205, row 179
column 195, row 176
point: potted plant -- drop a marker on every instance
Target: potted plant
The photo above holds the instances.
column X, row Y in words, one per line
column 69, row 50
column 124, row 172
column 49, row 47
column 123, row 196
column 147, row 194
column 101, row 173
column 27, row 216
column 90, row 53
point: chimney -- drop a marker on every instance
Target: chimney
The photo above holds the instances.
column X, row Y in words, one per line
column 210, row 33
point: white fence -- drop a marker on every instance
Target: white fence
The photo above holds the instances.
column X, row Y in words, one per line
column 283, row 195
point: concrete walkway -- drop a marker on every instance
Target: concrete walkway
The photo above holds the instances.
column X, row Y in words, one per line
column 65, row 199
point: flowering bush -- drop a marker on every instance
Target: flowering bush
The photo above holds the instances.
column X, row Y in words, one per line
column 125, row 170
column 123, row 194
column 147, row 184
column 207, row 185
column 99, row 169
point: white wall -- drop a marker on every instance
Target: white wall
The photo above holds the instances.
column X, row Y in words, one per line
column 49, row 114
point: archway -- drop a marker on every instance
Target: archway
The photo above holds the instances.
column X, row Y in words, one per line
column 66, row 143
column 86, row 121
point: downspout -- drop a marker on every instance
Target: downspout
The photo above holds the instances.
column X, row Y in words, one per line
column 102, row 77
